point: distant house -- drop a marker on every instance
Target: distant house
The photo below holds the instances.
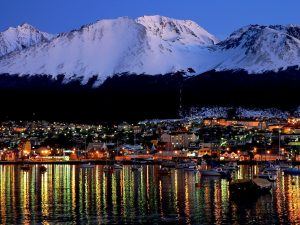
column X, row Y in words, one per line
column 96, row 146
column 206, row 148
column 133, row 149
column 229, row 156
column 25, row 147
column 97, row 150
column 248, row 124
column 204, row 151
column 268, row 157
column 43, row 151
column 9, row 156
column 178, row 139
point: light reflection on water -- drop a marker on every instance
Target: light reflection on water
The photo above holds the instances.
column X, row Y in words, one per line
column 71, row 195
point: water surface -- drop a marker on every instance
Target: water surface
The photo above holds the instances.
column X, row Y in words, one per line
column 69, row 194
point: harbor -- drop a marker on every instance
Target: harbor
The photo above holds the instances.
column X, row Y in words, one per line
column 140, row 193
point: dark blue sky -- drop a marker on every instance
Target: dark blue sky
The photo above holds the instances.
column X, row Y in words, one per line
column 219, row 17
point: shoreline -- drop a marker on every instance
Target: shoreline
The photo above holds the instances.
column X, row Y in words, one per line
column 104, row 162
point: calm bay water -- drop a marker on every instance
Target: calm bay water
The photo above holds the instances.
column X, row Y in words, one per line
column 68, row 194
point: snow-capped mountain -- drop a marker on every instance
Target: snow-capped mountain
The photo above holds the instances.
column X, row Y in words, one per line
column 256, row 49
column 150, row 44
column 184, row 32
column 21, row 37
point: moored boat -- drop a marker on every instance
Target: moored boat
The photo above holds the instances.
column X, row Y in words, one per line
column 164, row 171
column 136, row 168
column 268, row 175
column 187, row 166
column 108, row 169
column 149, row 159
column 87, row 165
column 232, row 166
column 118, row 166
column 284, row 166
column 181, row 165
column 168, row 164
column 25, row 167
column 43, row 169
column 212, row 172
column 292, row 171
column 272, row 168
column 247, row 188
column 190, row 168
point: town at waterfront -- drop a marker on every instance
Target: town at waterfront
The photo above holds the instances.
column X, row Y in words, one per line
column 187, row 171
column 217, row 139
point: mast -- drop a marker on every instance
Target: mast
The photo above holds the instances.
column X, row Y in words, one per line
column 279, row 131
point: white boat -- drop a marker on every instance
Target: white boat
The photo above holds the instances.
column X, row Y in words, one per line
column 136, row 168
column 203, row 163
column 186, row 166
column 191, row 168
column 87, row 165
column 231, row 166
column 168, row 164
column 284, row 166
column 265, row 174
column 292, row 171
column 181, row 166
column 149, row 159
column 272, row 168
column 108, row 169
column 212, row 172
column 118, row 167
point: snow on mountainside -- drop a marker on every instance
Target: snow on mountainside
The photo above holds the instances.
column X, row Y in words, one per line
column 256, row 49
column 150, row 45
column 21, row 37
column 183, row 31
column 239, row 112
column 155, row 45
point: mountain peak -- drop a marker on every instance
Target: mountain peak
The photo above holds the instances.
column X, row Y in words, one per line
column 254, row 33
column 20, row 37
column 185, row 31
column 260, row 48
column 26, row 26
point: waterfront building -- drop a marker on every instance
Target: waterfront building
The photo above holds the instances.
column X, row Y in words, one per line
column 97, row 150
column 25, row 148
column 177, row 140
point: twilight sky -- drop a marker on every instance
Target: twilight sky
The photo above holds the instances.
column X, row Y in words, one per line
column 219, row 17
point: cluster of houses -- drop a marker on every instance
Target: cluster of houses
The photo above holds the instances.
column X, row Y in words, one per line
column 223, row 139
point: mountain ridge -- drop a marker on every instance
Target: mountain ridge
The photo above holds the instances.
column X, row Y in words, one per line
column 156, row 45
